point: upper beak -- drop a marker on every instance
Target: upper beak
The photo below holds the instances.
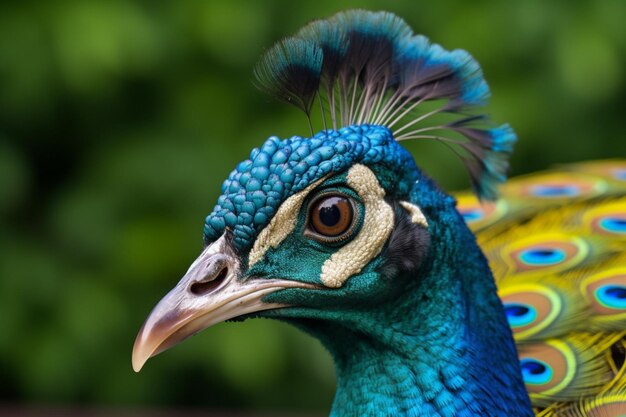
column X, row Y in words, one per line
column 210, row 292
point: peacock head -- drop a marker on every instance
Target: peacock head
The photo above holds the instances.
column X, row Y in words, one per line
column 336, row 227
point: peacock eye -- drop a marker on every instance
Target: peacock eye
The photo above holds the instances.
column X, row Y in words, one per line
column 331, row 217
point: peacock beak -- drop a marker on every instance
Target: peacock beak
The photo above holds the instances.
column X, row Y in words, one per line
column 209, row 293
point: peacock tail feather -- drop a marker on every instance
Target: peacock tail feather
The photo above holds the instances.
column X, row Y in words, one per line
column 555, row 242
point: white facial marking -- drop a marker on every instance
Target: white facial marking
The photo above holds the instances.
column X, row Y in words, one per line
column 417, row 216
column 377, row 225
column 281, row 225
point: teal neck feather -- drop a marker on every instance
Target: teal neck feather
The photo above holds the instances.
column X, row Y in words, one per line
column 442, row 347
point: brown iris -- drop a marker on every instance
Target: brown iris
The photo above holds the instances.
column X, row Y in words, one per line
column 331, row 216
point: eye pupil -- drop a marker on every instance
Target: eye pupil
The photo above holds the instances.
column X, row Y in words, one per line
column 331, row 216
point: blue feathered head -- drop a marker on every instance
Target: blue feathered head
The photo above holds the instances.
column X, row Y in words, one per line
column 371, row 76
column 345, row 212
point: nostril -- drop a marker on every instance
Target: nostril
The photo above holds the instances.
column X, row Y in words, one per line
column 204, row 287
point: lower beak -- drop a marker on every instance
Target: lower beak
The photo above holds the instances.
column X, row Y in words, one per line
column 209, row 293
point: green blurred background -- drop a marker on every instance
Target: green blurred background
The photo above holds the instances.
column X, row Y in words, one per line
column 120, row 119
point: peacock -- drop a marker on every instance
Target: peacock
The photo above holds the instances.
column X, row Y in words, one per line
column 509, row 300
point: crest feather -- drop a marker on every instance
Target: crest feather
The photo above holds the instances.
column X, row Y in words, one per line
column 290, row 71
column 369, row 68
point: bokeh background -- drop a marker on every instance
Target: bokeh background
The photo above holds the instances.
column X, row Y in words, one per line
column 120, row 119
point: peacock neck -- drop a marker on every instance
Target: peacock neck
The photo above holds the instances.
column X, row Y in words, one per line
column 443, row 347
column 427, row 369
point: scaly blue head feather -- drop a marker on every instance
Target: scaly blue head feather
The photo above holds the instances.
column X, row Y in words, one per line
column 259, row 185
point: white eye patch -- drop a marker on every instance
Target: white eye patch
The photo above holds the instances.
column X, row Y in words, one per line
column 416, row 214
column 350, row 259
column 281, row 225
column 377, row 226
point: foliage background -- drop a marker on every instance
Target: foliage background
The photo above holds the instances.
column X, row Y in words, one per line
column 120, row 119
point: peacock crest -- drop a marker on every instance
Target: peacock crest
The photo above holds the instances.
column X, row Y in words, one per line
column 369, row 68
